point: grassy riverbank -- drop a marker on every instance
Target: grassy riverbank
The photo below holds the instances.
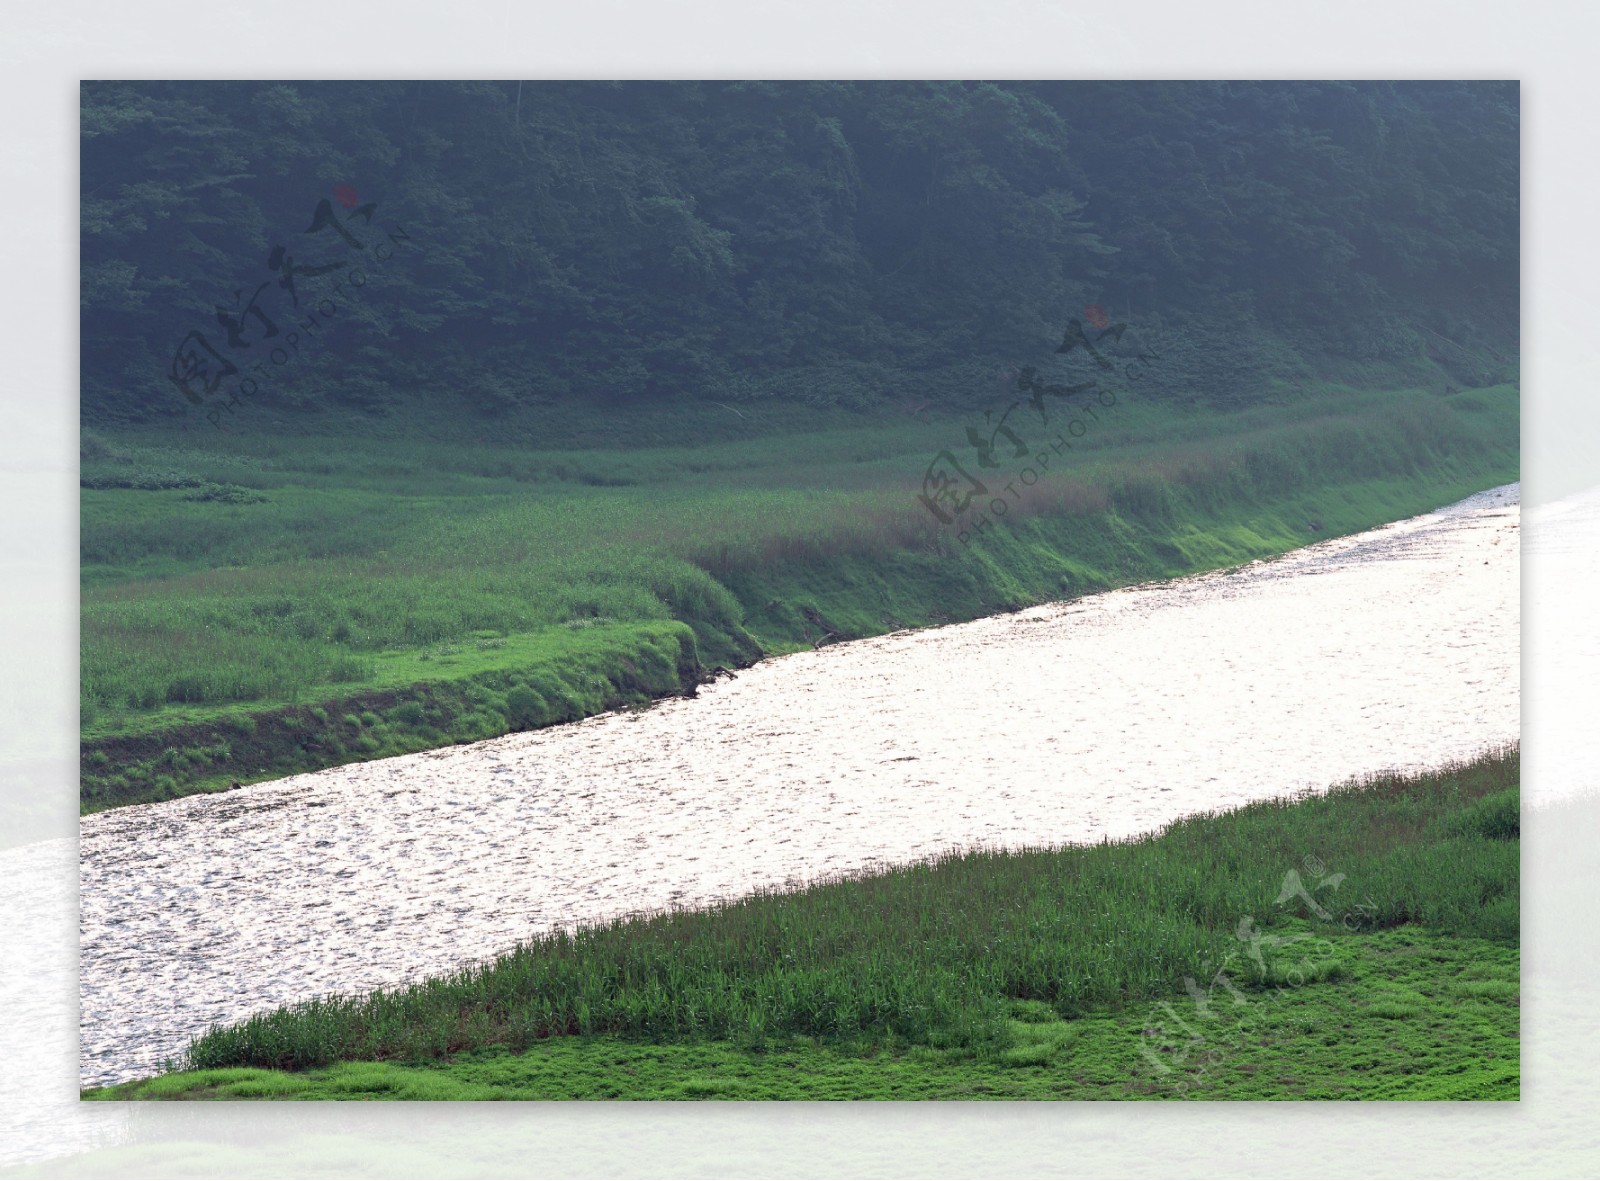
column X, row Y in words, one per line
column 1419, row 1016
column 1051, row 973
column 256, row 605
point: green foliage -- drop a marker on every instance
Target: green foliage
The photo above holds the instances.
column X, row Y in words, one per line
column 225, row 494
column 205, row 749
column 146, row 481
column 805, row 243
column 1319, row 1040
column 525, row 708
column 1497, row 817
column 937, row 953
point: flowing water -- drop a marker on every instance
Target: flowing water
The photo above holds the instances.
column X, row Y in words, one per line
column 1104, row 716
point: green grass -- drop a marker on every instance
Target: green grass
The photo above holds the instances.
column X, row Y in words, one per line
column 357, row 575
column 1313, row 1041
column 1109, row 971
column 933, row 953
column 414, row 700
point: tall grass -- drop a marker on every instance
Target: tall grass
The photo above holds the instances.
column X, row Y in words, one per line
column 363, row 548
column 934, row 952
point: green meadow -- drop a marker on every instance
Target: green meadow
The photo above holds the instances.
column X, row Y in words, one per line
column 283, row 596
column 1182, row 964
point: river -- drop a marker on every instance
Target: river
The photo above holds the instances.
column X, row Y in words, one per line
column 1099, row 717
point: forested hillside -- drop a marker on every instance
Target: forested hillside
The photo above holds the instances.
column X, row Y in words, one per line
column 490, row 245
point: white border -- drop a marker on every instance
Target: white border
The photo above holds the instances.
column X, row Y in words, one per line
column 47, row 49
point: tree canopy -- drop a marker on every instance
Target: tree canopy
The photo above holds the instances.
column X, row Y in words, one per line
column 824, row 241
